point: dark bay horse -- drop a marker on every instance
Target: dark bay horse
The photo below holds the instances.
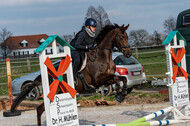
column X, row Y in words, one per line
column 100, row 67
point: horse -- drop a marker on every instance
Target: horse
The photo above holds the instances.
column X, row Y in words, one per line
column 100, row 67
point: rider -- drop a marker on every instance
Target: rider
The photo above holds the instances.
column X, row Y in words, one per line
column 83, row 42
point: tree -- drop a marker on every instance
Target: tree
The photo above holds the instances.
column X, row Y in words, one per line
column 156, row 37
column 100, row 15
column 67, row 38
column 4, row 34
column 138, row 37
column 169, row 24
column 91, row 12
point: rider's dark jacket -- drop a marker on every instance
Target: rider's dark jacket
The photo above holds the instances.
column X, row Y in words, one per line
column 83, row 40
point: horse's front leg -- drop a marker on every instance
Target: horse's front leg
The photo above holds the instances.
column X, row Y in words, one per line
column 40, row 110
column 120, row 93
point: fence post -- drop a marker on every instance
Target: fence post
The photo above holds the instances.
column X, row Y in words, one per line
column 136, row 52
column 28, row 64
column 9, row 81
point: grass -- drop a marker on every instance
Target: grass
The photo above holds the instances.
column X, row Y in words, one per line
column 96, row 97
column 143, row 95
column 152, row 62
column 3, row 89
column 112, row 97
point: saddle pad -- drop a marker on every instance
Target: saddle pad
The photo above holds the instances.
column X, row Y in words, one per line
column 84, row 63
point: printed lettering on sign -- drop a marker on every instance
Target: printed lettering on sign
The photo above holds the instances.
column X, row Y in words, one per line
column 180, row 92
column 64, row 111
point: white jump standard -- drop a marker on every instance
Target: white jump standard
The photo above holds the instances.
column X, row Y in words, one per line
column 61, row 109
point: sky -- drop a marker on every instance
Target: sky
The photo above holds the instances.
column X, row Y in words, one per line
column 63, row 17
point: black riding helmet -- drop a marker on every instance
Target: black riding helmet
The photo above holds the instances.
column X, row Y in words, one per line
column 90, row 22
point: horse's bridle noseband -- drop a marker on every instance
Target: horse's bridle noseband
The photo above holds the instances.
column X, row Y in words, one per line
column 117, row 41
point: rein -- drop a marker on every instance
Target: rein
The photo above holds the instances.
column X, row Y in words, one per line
column 111, row 49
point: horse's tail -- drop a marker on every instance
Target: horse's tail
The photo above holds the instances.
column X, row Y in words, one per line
column 23, row 94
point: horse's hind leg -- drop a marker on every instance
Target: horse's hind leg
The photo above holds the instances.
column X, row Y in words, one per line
column 124, row 90
column 120, row 93
column 40, row 110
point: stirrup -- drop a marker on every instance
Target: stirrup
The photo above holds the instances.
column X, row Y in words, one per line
column 86, row 87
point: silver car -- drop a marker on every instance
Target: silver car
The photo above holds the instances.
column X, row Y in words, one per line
column 23, row 82
column 128, row 67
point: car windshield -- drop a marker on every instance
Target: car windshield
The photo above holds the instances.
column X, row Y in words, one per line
column 121, row 60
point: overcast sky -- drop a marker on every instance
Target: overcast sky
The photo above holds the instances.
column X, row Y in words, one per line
column 58, row 17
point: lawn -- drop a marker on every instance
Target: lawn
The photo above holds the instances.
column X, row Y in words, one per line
column 153, row 63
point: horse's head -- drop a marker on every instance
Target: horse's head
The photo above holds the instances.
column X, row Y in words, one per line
column 121, row 40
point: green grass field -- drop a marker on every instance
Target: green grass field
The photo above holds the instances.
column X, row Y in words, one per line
column 149, row 61
column 153, row 63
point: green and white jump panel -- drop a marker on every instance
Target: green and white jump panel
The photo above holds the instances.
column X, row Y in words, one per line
column 178, row 90
column 63, row 110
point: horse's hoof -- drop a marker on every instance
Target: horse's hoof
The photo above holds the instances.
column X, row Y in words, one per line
column 120, row 98
column 9, row 113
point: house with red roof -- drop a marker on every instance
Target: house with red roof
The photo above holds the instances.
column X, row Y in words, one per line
column 25, row 45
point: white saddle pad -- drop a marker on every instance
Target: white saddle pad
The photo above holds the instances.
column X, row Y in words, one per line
column 84, row 63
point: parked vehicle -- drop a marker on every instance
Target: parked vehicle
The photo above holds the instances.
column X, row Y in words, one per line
column 128, row 67
column 19, row 84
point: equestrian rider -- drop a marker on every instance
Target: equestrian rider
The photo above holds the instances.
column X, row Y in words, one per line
column 83, row 42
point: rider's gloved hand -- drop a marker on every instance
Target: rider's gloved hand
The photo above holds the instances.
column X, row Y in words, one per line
column 90, row 47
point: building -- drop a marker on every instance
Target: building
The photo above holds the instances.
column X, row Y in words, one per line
column 21, row 46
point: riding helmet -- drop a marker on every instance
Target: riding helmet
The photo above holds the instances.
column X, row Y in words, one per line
column 90, row 22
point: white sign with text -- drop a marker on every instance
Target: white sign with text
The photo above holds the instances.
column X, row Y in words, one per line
column 63, row 111
column 180, row 92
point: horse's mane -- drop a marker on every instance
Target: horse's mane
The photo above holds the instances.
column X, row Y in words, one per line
column 104, row 32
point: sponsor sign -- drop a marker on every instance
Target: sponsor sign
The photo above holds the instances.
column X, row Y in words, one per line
column 64, row 111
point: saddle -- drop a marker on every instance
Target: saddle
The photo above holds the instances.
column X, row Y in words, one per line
column 88, row 88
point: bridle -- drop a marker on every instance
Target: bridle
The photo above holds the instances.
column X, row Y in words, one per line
column 117, row 41
column 111, row 49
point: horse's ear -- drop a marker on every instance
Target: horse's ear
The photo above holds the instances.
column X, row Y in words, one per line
column 122, row 26
column 126, row 27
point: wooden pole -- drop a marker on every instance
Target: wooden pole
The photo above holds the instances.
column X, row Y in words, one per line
column 136, row 51
column 9, row 81
column 28, row 64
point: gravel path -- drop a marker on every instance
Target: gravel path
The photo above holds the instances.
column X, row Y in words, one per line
column 92, row 115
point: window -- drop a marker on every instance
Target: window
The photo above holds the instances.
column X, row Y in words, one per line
column 186, row 19
column 121, row 60
column 24, row 43
column 41, row 41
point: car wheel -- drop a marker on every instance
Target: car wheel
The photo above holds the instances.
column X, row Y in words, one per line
column 34, row 94
column 106, row 90
column 129, row 90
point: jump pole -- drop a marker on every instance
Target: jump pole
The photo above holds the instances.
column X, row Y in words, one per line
column 61, row 109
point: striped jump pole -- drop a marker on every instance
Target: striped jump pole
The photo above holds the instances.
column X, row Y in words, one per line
column 151, row 116
column 143, row 121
